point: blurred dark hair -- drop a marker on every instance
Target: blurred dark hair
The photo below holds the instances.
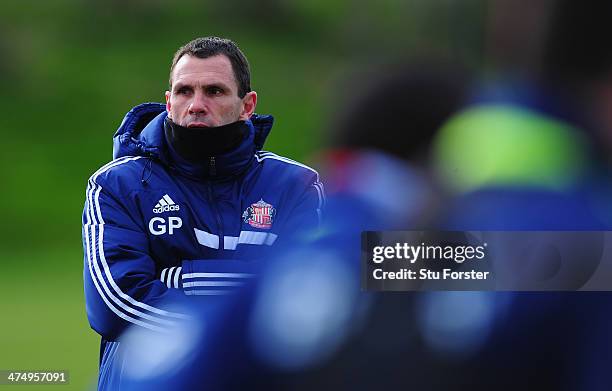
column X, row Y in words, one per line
column 213, row 46
column 577, row 48
column 398, row 109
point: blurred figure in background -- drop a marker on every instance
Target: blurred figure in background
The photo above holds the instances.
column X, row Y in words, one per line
column 538, row 124
column 380, row 141
column 530, row 152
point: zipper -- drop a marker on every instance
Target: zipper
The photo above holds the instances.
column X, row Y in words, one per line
column 213, row 205
column 212, row 165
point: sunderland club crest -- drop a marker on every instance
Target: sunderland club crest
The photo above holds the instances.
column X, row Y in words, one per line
column 259, row 215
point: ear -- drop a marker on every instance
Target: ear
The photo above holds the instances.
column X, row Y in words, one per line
column 168, row 104
column 248, row 105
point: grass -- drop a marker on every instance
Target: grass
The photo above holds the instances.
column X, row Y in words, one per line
column 44, row 325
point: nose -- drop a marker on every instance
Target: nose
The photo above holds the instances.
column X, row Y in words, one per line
column 198, row 104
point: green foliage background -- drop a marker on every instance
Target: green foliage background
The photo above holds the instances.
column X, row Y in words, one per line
column 71, row 69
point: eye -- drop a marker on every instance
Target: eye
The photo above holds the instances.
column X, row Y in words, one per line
column 183, row 90
column 214, row 91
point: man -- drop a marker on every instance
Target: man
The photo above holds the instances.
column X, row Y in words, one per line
column 190, row 203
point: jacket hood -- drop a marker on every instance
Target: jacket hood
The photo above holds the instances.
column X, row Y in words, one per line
column 141, row 132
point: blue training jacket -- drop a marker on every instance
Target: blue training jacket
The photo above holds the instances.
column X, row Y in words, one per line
column 156, row 230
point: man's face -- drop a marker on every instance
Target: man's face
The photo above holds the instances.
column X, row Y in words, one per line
column 205, row 93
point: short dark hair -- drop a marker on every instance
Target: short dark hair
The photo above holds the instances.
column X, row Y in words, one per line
column 213, row 46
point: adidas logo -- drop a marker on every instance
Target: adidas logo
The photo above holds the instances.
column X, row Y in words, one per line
column 165, row 204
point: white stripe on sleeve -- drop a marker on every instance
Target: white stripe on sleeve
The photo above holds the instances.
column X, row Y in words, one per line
column 177, row 275
column 95, row 255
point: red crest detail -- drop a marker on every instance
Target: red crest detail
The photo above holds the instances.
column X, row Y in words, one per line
column 259, row 215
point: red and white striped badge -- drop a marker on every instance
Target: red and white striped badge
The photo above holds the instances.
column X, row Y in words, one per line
column 259, row 215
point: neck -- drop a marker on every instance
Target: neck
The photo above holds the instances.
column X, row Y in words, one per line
column 197, row 145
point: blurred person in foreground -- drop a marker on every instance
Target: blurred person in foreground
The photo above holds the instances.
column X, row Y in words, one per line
column 531, row 152
column 538, row 128
column 191, row 203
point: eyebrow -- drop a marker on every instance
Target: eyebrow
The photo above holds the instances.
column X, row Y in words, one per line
column 177, row 86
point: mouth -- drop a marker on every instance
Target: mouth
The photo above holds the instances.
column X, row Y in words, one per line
column 197, row 125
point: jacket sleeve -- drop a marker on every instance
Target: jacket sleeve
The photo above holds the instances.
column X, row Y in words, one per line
column 307, row 213
column 120, row 284
column 210, row 277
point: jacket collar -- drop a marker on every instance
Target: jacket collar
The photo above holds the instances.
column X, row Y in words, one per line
column 141, row 133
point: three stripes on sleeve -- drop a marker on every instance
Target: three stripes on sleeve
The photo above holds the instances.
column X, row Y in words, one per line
column 203, row 283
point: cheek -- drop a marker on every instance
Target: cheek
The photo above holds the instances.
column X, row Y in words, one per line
column 234, row 112
column 224, row 109
column 234, row 107
column 180, row 106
